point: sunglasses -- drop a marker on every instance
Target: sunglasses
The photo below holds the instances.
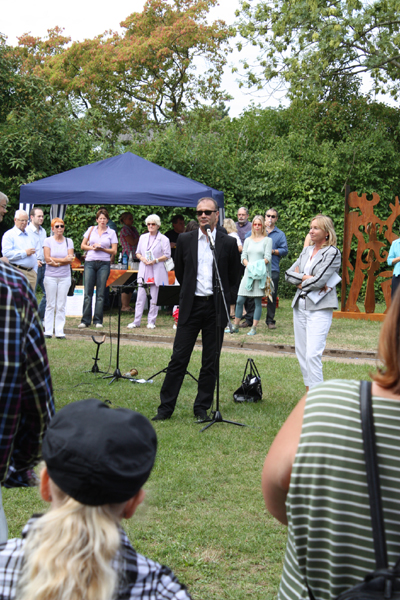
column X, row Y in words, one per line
column 205, row 212
column 59, row 226
column 270, row 216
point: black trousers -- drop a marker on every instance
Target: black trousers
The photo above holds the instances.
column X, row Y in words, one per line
column 202, row 318
column 271, row 306
column 395, row 284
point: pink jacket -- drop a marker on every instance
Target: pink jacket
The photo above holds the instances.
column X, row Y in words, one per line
column 161, row 247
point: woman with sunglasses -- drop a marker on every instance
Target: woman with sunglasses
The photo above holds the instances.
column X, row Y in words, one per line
column 101, row 243
column 152, row 252
column 58, row 255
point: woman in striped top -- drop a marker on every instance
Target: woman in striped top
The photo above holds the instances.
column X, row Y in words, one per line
column 314, row 479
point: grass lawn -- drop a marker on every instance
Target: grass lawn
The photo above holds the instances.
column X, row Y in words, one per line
column 344, row 333
column 204, row 514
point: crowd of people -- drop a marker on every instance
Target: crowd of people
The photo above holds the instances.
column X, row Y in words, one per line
column 314, row 477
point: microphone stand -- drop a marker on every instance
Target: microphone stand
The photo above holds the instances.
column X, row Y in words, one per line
column 218, row 292
column 117, row 373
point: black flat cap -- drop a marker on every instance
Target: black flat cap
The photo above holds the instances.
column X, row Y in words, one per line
column 99, row 455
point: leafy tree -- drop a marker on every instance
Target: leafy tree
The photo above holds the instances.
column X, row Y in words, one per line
column 312, row 46
column 150, row 73
column 38, row 137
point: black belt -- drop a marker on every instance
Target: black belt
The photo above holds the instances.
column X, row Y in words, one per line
column 23, row 268
column 204, row 298
column 303, row 296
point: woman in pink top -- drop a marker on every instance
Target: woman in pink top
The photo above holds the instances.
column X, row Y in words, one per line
column 58, row 255
column 100, row 242
column 152, row 252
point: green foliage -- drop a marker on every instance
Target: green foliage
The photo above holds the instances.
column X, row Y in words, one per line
column 319, row 47
column 38, row 138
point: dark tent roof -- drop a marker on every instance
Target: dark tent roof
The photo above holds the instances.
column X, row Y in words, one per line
column 123, row 179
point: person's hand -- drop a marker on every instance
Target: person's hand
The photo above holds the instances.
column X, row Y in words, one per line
column 69, row 258
column 30, row 251
column 307, row 277
column 97, row 247
column 296, row 270
column 39, row 263
column 5, row 260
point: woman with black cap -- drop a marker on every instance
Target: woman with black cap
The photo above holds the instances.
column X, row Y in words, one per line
column 93, row 479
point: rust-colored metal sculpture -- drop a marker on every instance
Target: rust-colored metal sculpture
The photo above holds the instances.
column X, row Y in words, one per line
column 371, row 253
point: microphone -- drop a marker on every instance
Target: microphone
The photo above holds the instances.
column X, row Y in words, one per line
column 210, row 237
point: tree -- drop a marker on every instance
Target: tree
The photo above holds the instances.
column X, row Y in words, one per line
column 150, row 73
column 38, row 137
column 311, row 46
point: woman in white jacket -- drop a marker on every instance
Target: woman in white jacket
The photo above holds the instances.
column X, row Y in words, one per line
column 312, row 320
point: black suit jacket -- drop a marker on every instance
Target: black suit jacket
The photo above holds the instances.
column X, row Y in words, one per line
column 228, row 261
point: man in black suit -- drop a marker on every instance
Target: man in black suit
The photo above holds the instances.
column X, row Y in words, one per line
column 197, row 308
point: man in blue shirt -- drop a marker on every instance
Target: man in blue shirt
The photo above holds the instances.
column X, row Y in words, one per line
column 279, row 249
column 19, row 247
column 39, row 235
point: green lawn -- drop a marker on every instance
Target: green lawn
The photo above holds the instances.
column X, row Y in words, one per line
column 204, row 514
column 344, row 333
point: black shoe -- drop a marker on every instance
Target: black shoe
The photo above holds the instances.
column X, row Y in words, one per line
column 61, row 337
column 48, row 337
column 159, row 417
column 202, row 417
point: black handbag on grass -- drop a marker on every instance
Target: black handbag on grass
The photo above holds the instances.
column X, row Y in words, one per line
column 250, row 390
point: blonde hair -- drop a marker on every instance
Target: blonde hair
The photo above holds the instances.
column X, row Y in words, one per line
column 326, row 224
column 258, row 218
column 230, row 225
column 69, row 551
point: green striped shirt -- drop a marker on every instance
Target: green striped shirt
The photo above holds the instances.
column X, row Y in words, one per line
column 329, row 533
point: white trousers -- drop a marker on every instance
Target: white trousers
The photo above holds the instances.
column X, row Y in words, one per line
column 311, row 328
column 56, row 300
column 141, row 301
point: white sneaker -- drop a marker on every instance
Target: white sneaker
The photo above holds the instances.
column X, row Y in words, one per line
column 174, row 326
column 99, row 325
column 150, row 326
column 82, row 325
column 132, row 326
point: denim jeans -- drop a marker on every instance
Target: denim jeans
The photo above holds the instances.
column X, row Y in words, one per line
column 40, row 283
column 96, row 274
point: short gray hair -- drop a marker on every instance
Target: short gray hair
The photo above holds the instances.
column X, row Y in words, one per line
column 153, row 219
column 244, row 208
column 216, row 207
column 19, row 213
column 3, row 197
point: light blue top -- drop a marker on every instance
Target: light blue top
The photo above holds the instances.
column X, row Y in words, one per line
column 252, row 252
column 39, row 237
column 394, row 252
column 14, row 245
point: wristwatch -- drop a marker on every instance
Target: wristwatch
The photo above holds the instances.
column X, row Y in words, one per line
column 156, row 261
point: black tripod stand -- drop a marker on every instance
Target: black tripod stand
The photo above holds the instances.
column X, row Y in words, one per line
column 125, row 283
column 219, row 293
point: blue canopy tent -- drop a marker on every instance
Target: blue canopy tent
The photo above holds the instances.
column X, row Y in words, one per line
column 123, row 179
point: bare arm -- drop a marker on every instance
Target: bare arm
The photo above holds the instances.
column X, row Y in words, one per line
column 279, row 462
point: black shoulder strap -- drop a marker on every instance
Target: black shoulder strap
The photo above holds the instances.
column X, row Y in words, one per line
column 371, row 463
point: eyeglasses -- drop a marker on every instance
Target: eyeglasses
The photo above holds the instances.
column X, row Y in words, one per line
column 59, row 226
column 205, row 212
column 152, row 224
column 270, row 216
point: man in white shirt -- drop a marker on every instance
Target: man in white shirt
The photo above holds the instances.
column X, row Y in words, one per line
column 199, row 308
column 39, row 235
column 19, row 247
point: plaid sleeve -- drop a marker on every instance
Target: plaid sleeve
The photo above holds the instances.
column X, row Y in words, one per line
column 26, row 398
column 141, row 577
